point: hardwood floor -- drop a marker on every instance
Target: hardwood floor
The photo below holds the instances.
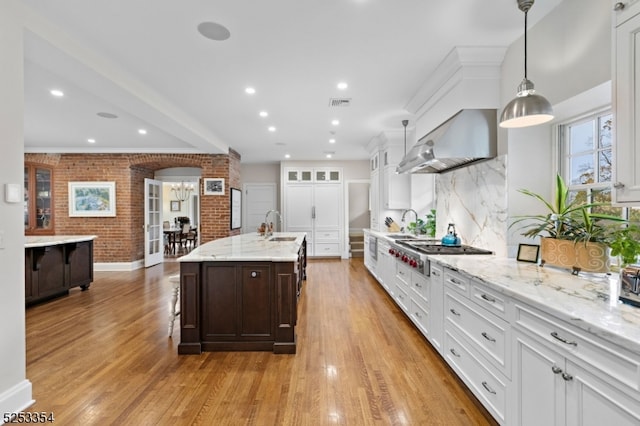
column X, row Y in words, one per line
column 103, row 357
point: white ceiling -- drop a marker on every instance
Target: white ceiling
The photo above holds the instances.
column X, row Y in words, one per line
column 144, row 61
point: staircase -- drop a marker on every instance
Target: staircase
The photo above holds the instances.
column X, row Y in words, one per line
column 356, row 244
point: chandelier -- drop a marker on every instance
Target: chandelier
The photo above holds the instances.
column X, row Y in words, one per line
column 182, row 191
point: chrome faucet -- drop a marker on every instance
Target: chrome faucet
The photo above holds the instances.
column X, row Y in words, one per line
column 404, row 213
column 269, row 230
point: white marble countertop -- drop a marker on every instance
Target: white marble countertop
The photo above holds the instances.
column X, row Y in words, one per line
column 52, row 240
column 248, row 247
column 587, row 301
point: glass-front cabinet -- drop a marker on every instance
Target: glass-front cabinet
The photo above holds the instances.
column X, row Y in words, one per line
column 38, row 200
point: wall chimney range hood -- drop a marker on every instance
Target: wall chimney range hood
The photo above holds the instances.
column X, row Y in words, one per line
column 467, row 137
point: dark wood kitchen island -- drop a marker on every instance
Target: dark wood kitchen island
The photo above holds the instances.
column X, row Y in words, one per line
column 240, row 293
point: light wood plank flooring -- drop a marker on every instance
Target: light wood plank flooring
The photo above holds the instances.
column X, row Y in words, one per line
column 103, row 356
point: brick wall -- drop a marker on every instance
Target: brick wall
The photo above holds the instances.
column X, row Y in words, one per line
column 121, row 238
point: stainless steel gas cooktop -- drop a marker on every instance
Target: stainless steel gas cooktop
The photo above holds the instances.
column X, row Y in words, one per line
column 436, row 247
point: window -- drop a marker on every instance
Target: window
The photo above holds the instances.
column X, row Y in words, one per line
column 586, row 152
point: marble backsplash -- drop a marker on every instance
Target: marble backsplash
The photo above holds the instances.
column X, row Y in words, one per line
column 474, row 198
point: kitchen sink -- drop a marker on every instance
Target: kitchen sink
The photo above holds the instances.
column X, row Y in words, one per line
column 282, row 239
column 401, row 236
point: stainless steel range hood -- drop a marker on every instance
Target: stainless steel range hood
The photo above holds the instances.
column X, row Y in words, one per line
column 467, row 137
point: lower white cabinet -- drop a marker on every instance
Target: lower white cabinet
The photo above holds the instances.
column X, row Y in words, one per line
column 550, row 389
column 525, row 366
column 565, row 376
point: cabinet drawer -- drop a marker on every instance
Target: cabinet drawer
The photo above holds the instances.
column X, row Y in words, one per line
column 402, row 297
column 486, row 385
column 327, row 235
column 485, row 331
column 488, row 299
column 327, row 249
column 420, row 287
column 577, row 345
column 403, row 275
column 420, row 316
column 456, row 282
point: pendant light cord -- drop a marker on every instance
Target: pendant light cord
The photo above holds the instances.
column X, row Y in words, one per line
column 525, row 43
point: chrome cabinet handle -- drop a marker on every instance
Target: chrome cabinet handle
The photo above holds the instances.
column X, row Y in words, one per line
column 619, row 6
column 556, row 369
column 418, row 315
column 454, row 312
column 562, row 339
column 456, row 354
column 418, row 285
column 486, row 386
column 489, row 338
column 618, row 185
column 567, row 377
column 313, row 212
column 488, row 298
column 435, row 273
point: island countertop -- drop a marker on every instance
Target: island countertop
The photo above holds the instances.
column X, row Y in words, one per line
column 279, row 247
column 52, row 240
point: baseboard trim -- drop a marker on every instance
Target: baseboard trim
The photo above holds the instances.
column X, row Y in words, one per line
column 17, row 398
column 118, row 266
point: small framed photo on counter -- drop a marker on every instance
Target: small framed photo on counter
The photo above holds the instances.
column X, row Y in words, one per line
column 528, row 253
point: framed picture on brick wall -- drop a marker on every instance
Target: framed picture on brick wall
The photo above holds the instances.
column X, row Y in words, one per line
column 213, row 186
column 92, row 199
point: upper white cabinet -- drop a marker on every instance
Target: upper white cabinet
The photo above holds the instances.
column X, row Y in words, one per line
column 626, row 76
column 298, row 175
column 396, row 188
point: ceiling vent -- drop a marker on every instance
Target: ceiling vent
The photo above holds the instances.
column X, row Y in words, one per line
column 339, row 102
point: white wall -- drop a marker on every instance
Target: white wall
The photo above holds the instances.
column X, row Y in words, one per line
column 569, row 54
column 15, row 389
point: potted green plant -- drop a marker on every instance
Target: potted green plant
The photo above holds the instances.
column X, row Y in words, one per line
column 570, row 235
column 427, row 227
column 625, row 244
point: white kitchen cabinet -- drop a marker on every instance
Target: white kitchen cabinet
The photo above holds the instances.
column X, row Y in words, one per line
column 626, row 96
column 403, row 278
column 564, row 376
column 436, row 306
column 315, row 208
column 396, row 188
column 327, row 175
column 299, row 175
column 419, row 307
column 374, row 194
column 386, row 267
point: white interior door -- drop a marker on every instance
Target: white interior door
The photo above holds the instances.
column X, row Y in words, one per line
column 258, row 199
column 153, row 236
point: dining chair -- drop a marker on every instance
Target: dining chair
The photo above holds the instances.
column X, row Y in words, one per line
column 192, row 237
column 184, row 233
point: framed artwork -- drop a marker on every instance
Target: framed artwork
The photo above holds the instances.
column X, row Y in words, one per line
column 92, row 199
column 528, row 253
column 236, row 208
column 213, row 186
column 175, row 206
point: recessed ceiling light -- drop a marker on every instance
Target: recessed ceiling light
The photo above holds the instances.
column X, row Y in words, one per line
column 287, row 156
column 250, row 90
column 106, row 115
column 328, row 156
column 57, row 93
column 142, row 131
column 272, row 128
column 332, row 140
column 342, row 85
column 90, row 140
column 335, row 122
column 264, row 114
column 213, row 31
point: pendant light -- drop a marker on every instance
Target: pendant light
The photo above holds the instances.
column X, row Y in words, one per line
column 528, row 108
